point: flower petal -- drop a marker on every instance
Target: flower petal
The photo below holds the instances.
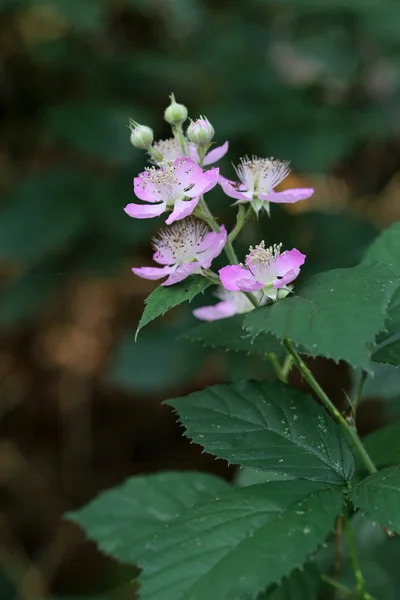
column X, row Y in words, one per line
column 182, row 272
column 291, row 259
column 144, row 211
column 222, row 310
column 212, row 176
column 287, row 267
column 188, row 173
column 145, row 190
column 182, row 209
column 211, row 246
column 214, row 155
column 231, row 191
column 235, row 278
column 153, row 272
column 288, row 196
column 287, row 278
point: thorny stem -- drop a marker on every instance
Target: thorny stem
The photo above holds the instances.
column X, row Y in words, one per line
column 354, row 559
column 351, row 431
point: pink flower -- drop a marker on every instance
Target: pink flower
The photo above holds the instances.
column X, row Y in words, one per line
column 185, row 248
column 170, row 150
column 265, row 269
column 258, row 178
column 232, row 303
column 175, row 187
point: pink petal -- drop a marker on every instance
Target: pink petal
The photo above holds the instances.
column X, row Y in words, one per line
column 231, row 191
column 216, row 154
column 291, row 259
column 288, row 196
column 166, row 258
column 213, row 313
column 235, row 278
column 212, row 176
column 211, row 246
column 145, row 190
column 153, row 272
column 187, row 172
column 144, row 211
column 182, row 272
column 287, row 278
column 182, row 209
column 287, row 266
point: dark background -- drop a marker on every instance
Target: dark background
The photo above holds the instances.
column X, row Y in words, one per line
column 316, row 82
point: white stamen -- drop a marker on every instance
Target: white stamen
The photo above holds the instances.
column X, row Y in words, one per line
column 262, row 175
column 169, row 149
column 260, row 261
column 166, row 182
column 181, row 240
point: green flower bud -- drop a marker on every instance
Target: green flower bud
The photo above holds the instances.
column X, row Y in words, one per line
column 200, row 132
column 175, row 114
column 141, row 136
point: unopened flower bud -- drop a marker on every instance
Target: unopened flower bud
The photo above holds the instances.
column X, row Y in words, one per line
column 175, row 114
column 200, row 132
column 141, row 136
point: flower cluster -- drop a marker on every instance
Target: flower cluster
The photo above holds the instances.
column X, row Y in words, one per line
column 176, row 183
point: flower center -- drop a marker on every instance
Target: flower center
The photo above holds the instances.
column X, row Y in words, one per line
column 261, row 175
column 260, row 262
column 166, row 183
column 169, row 149
column 181, row 240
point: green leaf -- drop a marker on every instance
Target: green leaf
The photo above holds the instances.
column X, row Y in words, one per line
column 388, row 353
column 336, row 314
column 383, row 445
column 385, row 248
column 162, row 299
column 302, row 584
column 268, row 426
column 246, row 476
column 378, row 496
column 123, row 520
column 239, row 544
column 229, row 333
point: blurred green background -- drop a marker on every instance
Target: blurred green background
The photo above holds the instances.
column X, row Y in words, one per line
column 316, row 82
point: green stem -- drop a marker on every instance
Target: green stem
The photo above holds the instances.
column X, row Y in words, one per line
column 337, row 585
column 207, row 216
column 211, row 276
column 276, row 366
column 351, row 432
column 209, row 219
column 286, row 367
column 179, row 135
column 354, row 559
column 242, row 216
column 357, row 395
